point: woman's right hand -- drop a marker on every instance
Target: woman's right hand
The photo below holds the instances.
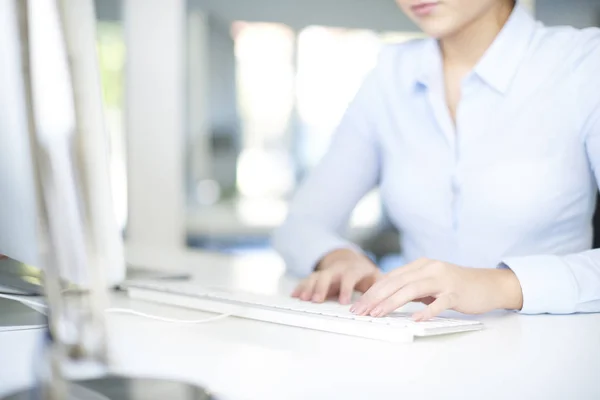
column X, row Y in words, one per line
column 339, row 273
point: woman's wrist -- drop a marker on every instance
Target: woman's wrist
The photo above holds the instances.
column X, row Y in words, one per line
column 510, row 291
column 336, row 256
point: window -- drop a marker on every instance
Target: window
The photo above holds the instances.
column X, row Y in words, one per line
column 111, row 55
column 293, row 89
column 263, row 135
column 264, row 54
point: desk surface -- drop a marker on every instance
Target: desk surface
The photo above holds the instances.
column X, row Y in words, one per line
column 516, row 357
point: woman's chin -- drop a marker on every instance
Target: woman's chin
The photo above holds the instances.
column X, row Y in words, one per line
column 437, row 29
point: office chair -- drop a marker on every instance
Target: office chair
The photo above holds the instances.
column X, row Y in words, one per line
column 596, row 225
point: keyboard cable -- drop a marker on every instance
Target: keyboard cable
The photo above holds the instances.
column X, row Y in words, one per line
column 170, row 320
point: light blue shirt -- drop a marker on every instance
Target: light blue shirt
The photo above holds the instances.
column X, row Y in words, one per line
column 513, row 183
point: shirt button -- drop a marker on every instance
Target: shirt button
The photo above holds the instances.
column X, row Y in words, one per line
column 469, row 84
column 455, row 186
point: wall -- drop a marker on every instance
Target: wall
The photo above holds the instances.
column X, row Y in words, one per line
column 381, row 15
column 224, row 128
column 374, row 14
column 109, row 10
column 577, row 13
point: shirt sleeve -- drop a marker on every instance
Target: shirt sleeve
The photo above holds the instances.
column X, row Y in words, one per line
column 570, row 283
column 322, row 206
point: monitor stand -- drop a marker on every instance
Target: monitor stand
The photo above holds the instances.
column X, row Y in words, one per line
column 125, row 388
column 15, row 316
column 19, row 277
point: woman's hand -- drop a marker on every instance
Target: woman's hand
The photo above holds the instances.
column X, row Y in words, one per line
column 442, row 286
column 339, row 273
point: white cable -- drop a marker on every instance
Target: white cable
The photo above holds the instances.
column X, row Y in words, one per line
column 174, row 321
column 23, row 300
column 124, row 311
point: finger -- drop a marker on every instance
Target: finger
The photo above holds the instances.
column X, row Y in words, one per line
column 299, row 289
column 367, row 302
column 309, row 285
column 301, row 286
column 348, row 283
column 384, row 289
column 414, row 290
column 434, row 309
column 322, row 285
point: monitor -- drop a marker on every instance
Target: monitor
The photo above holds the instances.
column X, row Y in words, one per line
column 17, row 194
column 62, row 141
column 55, row 117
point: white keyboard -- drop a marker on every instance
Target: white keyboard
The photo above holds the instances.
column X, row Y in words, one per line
column 329, row 316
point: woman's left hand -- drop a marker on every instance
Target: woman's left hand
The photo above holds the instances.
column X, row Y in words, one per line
column 442, row 286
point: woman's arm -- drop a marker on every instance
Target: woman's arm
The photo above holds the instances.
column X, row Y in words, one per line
column 535, row 284
column 571, row 283
column 322, row 206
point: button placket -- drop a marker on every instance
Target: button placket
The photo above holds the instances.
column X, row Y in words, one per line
column 467, row 89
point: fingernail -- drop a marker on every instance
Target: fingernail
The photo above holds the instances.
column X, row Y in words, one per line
column 376, row 312
column 316, row 298
column 305, row 296
column 353, row 308
column 359, row 309
column 344, row 300
column 418, row 317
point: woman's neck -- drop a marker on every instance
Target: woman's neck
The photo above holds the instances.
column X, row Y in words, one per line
column 466, row 47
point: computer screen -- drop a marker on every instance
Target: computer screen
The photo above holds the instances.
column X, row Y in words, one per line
column 79, row 199
column 17, row 195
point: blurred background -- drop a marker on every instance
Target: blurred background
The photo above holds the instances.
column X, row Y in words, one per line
column 266, row 82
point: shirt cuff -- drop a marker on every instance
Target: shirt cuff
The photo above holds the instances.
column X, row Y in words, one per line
column 547, row 283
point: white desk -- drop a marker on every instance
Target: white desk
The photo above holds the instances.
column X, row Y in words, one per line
column 516, row 357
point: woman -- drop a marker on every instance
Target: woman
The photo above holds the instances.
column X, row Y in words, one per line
column 485, row 142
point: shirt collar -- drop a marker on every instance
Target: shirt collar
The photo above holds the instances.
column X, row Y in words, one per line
column 501, row 61
column 430, row 63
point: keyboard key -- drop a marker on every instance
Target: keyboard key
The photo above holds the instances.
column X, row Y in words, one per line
column 344, row 314
column 398, row 314
column 362, row 318
column 381, row 321
column 329, row 313
column 308, row 307
column 285, row 305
